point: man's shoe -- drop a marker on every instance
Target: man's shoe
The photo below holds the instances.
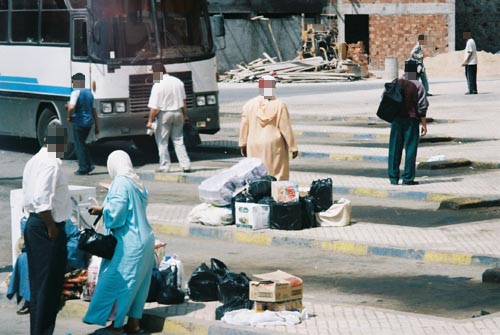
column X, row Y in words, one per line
column 394, row 182
column 81, row 173
column 409, row 183
column 429, row 94
column 186, row 170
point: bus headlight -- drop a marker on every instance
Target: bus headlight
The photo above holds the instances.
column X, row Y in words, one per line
column 211, row 99
column 201, row 100
column 106, row 107
column 120, row 107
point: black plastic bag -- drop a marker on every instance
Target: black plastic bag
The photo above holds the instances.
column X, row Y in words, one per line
column 267, row 201
column 260, row 188
column 308, row 214
column 169, row 292
column 154, row 287
column 392, row 101
column 285, row 216
column 202, row 285
column 233, row 285
column 218, row 267
column 235, row 304
column 191, row 136
column 321, row 191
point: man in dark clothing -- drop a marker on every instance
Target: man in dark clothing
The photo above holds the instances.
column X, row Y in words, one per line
column 82, row 114
column 405, row 127
column 46, row 198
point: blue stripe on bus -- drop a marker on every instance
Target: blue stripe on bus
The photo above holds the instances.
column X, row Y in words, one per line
column 43, row 89
column 19, row 79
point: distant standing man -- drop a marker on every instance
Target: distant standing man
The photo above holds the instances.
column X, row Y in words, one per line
column 417, row 54
column 405, row 127
column 470, row 62
column 47, row 200
column 167, row 104
column 82, row 114
column 266, row 131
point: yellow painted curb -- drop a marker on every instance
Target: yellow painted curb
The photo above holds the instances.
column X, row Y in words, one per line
column 169, row 177
column 260, row 239
column 298, row 133
column 448, row 258
column 439, row 197
column 382, row 137
column 341, row 157
column 170, row 230
column 345, row 247
column 369, row 192
column 184, row 328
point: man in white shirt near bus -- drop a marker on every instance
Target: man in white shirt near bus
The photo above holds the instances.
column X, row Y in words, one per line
column 167, row 104
column 47, row 201
column 470, row 62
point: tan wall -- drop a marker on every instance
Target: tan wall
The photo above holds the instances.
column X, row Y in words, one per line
column 395, row 36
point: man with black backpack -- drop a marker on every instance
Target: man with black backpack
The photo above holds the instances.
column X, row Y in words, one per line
column 405, row 127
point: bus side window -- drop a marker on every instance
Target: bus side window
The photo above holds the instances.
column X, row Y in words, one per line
column 3, row 20
column 80, row 38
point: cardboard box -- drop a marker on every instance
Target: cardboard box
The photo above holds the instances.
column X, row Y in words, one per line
column 276, row 286
column 290, row 305
column 285, row 191
column 251, row 216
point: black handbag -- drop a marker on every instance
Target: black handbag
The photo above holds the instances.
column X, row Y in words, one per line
column 191, row 136
column 392, row 101
column 96, row 243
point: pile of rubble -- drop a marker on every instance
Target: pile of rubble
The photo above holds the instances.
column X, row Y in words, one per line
column 314, row 69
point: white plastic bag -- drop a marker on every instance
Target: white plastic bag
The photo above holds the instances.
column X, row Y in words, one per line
column 338, row 215
column 210, row 215
column 173, row 261
column 92, row 277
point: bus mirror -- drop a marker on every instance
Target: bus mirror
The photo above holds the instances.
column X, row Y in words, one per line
column 218, row 25
column 96, row 36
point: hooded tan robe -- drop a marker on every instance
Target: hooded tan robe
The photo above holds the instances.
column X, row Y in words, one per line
column 267, row 134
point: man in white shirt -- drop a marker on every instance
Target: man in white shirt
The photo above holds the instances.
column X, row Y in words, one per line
column 167, row 104
column 47, row 201
column 470, row 63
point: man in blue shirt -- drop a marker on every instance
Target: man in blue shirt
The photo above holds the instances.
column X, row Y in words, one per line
column 82, row 114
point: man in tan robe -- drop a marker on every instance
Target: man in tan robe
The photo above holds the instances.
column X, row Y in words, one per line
column 266, row 132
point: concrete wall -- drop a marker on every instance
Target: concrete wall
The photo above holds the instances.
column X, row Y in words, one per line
column 395, row 24
column 483, row 18
column 246, row 40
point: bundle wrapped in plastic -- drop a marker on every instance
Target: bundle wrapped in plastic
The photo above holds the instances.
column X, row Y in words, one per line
column 219, row 189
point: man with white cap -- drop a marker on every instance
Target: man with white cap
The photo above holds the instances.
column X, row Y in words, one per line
column 266, row 131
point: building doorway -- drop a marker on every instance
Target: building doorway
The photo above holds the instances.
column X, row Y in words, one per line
column 357, row 29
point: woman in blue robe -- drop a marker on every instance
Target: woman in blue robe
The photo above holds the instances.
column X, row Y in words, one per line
column 123, row 283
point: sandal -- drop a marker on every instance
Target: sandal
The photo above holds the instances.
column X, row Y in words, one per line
column 105, row 331
column 24, row 310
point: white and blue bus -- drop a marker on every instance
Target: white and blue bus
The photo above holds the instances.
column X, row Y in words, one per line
column 114, row 44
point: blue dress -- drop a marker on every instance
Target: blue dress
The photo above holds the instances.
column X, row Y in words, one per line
column 124, row 279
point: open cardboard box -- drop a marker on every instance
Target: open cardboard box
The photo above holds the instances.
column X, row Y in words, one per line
column 275, row 287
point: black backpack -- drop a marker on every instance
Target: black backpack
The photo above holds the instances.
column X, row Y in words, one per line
column 392, row 101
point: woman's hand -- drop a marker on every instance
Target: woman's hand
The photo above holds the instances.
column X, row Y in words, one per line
column 95, row 210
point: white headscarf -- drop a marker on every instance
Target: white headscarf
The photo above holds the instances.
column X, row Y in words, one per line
column 119, row 164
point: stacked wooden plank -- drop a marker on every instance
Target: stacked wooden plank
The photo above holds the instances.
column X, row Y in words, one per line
column 314, row 69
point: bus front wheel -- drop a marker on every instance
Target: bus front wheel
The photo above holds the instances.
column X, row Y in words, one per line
column 46, row 118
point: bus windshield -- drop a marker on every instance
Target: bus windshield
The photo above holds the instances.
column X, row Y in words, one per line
column 130, row 31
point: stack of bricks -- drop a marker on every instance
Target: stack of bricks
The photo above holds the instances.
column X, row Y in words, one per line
column 395, row 36
column 356, row 52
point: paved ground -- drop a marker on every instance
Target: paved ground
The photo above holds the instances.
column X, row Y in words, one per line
column 466, row 244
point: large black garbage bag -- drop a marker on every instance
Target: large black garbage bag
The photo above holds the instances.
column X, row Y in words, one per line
column 308, row 214
column 202, row 285
column 169, row 292
column 321, row 191
column 235, row 304
column 218, row 267
column 285, row 216
column 154, row 287
column 260, row 188
column 233, row 285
